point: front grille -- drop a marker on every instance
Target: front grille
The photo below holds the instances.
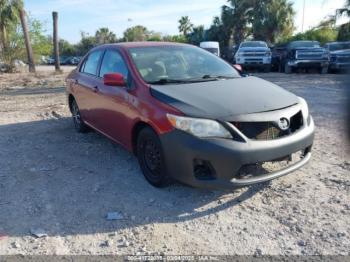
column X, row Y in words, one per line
column 256, row 54
column 254, row 60
column 309, row 55
column 343, row 59
column 269, row 130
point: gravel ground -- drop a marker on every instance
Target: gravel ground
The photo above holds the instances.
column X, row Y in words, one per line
column 63, row 184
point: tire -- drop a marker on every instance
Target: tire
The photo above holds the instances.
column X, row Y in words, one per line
column 323, row 70
column 267, row 68
column 287, row 69
column 79, row 125
column 151, row 158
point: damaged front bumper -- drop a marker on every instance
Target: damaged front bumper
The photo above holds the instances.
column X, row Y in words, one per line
column 223, row 158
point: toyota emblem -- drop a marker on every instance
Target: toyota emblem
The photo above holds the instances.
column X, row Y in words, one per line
column 283, row 123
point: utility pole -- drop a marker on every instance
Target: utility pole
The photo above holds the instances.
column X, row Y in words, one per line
column 302, row 24
column 55, row 42
column 22, row 15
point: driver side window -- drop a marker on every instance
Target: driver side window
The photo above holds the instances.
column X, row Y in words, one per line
column 113, row 63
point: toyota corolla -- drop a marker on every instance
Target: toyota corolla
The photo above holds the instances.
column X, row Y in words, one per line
column 189, row 116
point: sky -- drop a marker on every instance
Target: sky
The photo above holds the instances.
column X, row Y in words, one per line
column 160, row 16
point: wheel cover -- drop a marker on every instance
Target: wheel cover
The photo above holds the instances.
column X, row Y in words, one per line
column 152, row 158
column 76, row 114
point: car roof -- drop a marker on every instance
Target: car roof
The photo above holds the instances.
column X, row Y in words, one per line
column 143, row 44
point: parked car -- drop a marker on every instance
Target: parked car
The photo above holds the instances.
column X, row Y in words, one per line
column 339, row 55
column 303, row 54
column 187, row 114
column 212, row 47
column 252, row 54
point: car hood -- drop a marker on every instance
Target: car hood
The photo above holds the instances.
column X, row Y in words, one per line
column 341, row 52
column 223, row 99
column 310, row 49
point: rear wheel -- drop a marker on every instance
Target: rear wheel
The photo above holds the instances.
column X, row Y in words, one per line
column 151, row 158
column 77, row 120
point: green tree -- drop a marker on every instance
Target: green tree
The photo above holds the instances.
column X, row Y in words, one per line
column 238, row 18
column 104, row 36
column 273, row 20
column 66, row 49
column 345, row 10
column 197, row 35
column 185, row 25
column 136, row 33
column 175, row 38
column 85, row 44
column 344, row 32
column 9, row 19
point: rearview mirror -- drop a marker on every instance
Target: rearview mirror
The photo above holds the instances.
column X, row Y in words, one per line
column 114, row 79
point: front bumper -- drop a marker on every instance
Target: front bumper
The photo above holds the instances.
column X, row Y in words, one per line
column 308, row 63
column 339, row 66
column 253, row 61
column 226, row 156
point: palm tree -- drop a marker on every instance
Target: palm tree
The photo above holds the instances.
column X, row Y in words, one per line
column 273, row 20
column 237, row 17
column 185, row 25
column 103, row 36
column 22, row 14
column 345, row 10
column 9, row 18
column 11, row 12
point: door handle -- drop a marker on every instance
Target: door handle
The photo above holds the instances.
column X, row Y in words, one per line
column 95, row 89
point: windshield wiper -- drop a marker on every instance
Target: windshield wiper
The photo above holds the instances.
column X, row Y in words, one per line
column 164, row 81
column 215, row 77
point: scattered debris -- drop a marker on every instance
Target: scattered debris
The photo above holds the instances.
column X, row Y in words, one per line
column 38, row 232
column 114, row 216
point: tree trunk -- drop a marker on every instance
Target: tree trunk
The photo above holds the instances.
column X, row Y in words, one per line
column 22, row 15
column 55, row 41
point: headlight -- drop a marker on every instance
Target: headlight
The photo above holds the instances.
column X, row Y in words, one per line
column 304, row 109
column 199, row 127
column 239, row 53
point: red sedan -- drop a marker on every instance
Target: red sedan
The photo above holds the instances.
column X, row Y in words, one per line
column 187, row 114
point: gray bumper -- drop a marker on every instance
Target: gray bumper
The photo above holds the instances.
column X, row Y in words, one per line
column 308, row 63
column 227, row 156
column 339, row 66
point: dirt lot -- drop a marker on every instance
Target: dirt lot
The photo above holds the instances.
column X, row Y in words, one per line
column 65, row 183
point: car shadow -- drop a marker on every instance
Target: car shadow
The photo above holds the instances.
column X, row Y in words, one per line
column 65, row 183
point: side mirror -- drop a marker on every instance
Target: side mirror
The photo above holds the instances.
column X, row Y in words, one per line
column 114, row 79
column 238, row 67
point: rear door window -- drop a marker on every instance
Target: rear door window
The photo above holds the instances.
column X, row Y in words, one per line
column 91, row 64
column 113, row 63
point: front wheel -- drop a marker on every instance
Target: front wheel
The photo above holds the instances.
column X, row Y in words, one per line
column 77, row 120
column 287, row 69
column 324, row 70
column 151, row 158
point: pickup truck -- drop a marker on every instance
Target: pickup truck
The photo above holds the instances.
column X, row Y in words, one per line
column 254, row 54
column 339, row 53
column 303, row 54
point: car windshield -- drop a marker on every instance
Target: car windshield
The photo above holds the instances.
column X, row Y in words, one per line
column 340, row 46
column 178, row 64
column 304, row 44
column 253, row 44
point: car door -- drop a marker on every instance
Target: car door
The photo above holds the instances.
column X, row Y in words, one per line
column 112, row 107
column 85, row 90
